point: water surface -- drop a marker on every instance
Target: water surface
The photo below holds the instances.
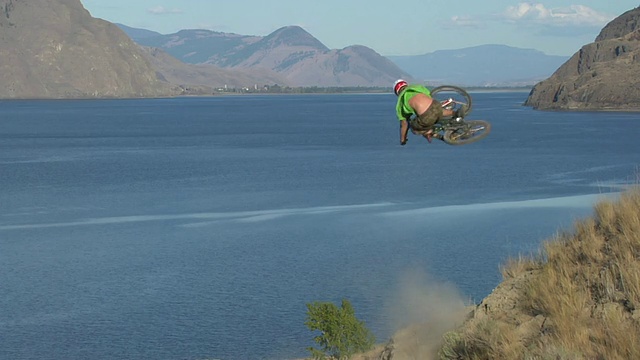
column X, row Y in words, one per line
column 199, row 228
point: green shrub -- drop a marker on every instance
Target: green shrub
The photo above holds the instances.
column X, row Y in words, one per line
column 341, row 333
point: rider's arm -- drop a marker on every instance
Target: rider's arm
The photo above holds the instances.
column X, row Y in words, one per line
column 404, row 130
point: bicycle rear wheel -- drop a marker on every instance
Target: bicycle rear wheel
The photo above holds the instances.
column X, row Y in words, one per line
column 472, row 132
column 461, row 98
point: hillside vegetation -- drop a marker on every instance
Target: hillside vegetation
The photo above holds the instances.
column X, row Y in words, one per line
column 579, row 298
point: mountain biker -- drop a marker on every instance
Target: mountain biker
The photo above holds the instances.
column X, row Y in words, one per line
column 416, row 109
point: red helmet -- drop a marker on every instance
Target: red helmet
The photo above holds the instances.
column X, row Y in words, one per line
column 398, row 86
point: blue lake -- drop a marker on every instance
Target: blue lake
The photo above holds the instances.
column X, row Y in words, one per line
column 198, row 228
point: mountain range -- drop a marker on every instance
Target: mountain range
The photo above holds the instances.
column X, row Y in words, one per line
column 290, row 53
column 56, row 49
column 304, row 61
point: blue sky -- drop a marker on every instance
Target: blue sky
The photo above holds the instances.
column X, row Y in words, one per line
column 408, row 27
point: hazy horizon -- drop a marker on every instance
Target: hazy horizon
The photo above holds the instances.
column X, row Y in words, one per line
column 557, row 27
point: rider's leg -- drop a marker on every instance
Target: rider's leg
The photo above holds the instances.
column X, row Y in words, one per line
column 453, row 113
column 425, row 121
column 416, row 129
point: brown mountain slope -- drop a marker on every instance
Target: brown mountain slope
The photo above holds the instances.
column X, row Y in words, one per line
column 603, row 75
column 351, row 66
column 55, row 49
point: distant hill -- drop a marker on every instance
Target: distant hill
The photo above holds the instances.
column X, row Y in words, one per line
column 137, row 34
column 204, row 78
column 484, row 65
column 192, row 46
column 291, row 52
column 602, row 75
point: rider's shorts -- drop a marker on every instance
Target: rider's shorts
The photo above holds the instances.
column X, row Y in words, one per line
column 428, row 118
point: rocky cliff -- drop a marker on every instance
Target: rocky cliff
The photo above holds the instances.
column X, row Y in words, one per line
column 602, row 75
column 55, row 49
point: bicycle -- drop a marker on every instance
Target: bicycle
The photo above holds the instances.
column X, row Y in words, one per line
column 457, row 130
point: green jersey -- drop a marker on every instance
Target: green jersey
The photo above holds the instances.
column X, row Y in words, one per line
column 403, row 110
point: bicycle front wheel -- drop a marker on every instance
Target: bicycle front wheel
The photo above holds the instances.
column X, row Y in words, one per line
column 461, row 98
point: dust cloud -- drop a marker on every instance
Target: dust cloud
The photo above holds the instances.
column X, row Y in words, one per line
column 422, row 310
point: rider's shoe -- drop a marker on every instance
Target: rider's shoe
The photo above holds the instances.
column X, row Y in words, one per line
column 430, row 135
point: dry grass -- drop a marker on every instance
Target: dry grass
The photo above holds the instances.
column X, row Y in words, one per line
column 515, row 267
column 579, row 300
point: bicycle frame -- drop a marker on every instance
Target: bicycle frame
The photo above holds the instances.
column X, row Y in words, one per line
column 445, row 124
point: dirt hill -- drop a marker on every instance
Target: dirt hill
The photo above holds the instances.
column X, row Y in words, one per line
column 579, row 299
